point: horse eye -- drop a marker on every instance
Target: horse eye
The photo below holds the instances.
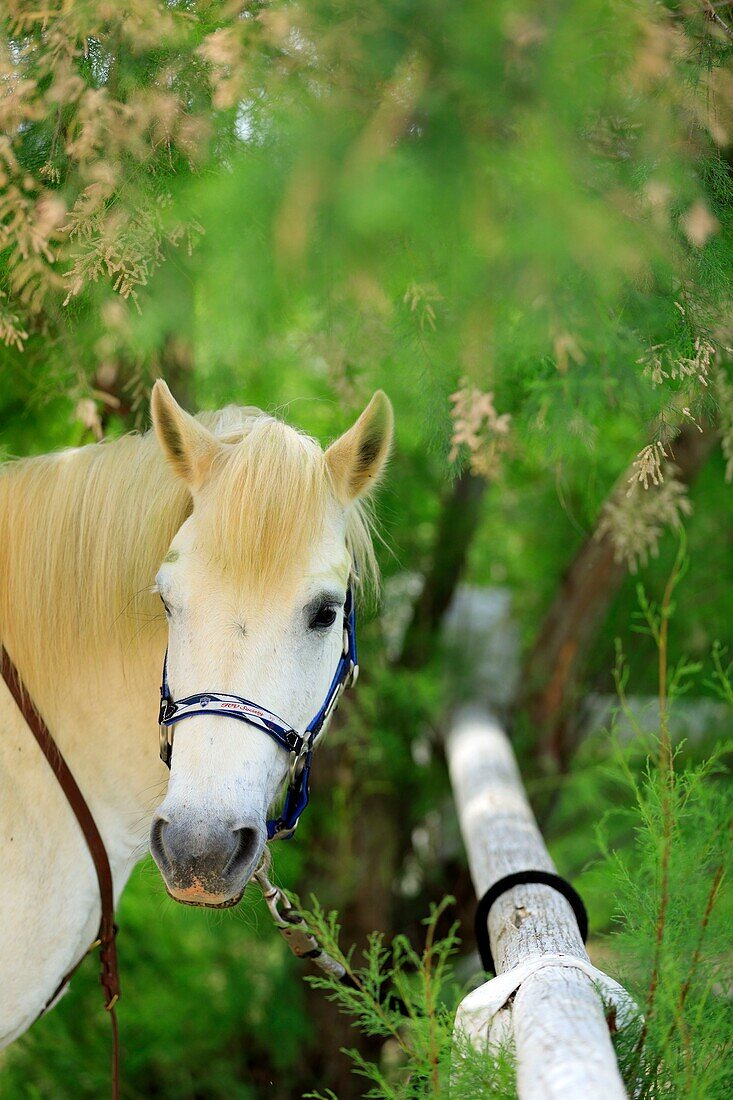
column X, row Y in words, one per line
column 323, row 618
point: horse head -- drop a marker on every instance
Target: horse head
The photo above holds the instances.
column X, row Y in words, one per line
column 254, row 586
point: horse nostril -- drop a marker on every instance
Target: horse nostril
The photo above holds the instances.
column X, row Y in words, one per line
column 157, row 843
column 248, row 843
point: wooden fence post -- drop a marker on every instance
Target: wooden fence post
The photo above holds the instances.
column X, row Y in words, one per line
column 547, row 997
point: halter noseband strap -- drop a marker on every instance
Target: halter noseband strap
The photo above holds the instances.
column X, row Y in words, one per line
column 300, row 746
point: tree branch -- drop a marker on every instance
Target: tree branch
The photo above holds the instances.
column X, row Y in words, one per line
column 712, row 15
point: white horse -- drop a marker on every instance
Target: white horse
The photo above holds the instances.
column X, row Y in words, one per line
column 251, row 529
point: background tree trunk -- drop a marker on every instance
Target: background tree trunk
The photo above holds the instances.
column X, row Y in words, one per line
column 459, row 517
column 555, row 663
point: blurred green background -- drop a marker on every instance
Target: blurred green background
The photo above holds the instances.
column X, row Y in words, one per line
column 289, row 206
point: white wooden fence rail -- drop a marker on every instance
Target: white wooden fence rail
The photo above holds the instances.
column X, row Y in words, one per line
column 547, row 999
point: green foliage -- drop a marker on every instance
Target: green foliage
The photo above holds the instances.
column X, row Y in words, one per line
column 344, row 194
column 406, row 998
column 676, row 931
column 674, row 954
column 659, row 811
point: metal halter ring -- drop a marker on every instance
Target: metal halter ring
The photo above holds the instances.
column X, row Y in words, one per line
column 297, row 763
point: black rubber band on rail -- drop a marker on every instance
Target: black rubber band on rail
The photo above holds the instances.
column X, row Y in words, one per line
column 523, row 878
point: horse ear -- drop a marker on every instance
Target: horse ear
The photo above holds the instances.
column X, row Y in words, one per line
column 359, row 456
column 188, row 445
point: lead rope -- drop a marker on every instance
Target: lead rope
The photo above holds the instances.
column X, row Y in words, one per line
column 293, row 928
column 292, row 925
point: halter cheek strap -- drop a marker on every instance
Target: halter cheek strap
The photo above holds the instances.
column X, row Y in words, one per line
column 299, row 746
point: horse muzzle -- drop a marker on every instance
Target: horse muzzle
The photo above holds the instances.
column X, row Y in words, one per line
column 206, row 863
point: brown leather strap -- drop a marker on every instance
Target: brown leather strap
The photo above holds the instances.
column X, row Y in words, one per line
column 109, row 976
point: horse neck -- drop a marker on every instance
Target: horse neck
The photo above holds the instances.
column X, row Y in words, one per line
column 104, row 722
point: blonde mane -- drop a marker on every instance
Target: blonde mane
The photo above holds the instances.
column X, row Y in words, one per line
column 82, row 533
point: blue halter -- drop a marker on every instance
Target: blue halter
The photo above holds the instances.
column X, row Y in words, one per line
column 300, row 747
